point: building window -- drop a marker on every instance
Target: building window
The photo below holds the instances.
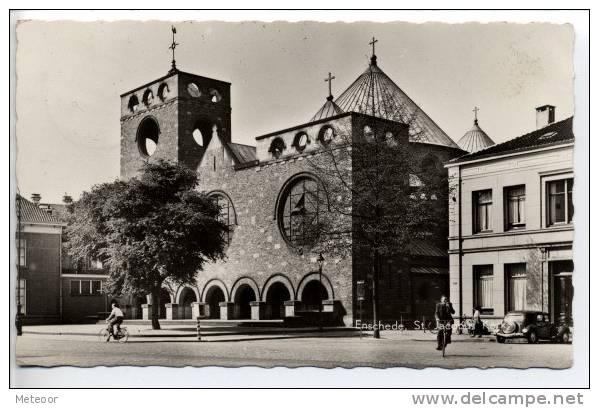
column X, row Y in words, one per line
column 301, row 141
column 276, row 147
column 299, row 212
column 516, row 286
column 483, row 288
column 22, row 294
column 193, row 90
column 368, row 134
column 483, row 206
column 515, row 198
column 326, row 135
column 22, row 252
column 86, row 287
column 227, row 214
column 560, row 208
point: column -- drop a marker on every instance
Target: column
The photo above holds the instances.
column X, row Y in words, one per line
column 258, row 310
column 226, row 310
column 292, row 307
column 146, row 310
column 172, row 311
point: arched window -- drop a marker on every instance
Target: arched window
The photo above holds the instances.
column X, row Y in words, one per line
column 215, row 96
column 148, row 97
column 198, row 137
column 133, row 104
column 300, row 208
column 277, row 147
column 203, row 132
column 390, row 139
column 326, row 135
column 193, row 90
column 147, row 136
column 163, row 91
column 301, row 141
column 368, row 134
column 227, row 213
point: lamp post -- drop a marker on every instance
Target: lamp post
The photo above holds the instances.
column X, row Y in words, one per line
column 320, row 261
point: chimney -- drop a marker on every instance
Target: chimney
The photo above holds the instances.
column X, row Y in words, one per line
column 545, row 116
column 36, row 198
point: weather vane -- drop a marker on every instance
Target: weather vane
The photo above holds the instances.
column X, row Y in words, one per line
column 172, row 48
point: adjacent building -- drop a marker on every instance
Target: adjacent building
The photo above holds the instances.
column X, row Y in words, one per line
column 511, row 225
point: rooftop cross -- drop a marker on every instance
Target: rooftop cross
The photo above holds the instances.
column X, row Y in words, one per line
column 172, row 47
column 374, row 41
column 475, row 110
column 330, row 80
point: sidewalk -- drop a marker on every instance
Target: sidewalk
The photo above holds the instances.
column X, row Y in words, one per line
column 233, row 333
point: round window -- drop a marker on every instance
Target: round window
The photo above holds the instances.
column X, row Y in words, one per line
column 277, row 147
column 215, row 96
column 326, row 135
column 390, row 139
column 163, row 91
column 300, row 207
column 148, row 97
column 133, row 104
column 193, row 90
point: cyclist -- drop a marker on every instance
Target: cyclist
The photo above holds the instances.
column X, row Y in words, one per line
column 115, row 319
column 443, row 312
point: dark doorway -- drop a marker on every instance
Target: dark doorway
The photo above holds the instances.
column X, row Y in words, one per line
column 275, row 298
column 563, row 292
column 139, row 300
column 214, row 296
column 245, row 294
column 313, row 295
column 164, row 299
column 188, row 296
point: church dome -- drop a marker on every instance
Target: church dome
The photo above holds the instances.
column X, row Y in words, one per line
column 475, row 139
column 374, row 93
column 327, row 110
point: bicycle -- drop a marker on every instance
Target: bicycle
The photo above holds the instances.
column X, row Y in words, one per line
column 431, row 327
column 444, row 328
column 122, row 335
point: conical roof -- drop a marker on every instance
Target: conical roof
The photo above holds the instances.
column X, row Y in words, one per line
column 374, row 93
column 327, row 110
column 475, row 139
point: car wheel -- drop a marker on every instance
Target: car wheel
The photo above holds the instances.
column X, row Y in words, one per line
column 532, row 337
column 500, row 339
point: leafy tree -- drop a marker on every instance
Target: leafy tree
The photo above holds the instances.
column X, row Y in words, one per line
column 390, row 190
column 149, row 230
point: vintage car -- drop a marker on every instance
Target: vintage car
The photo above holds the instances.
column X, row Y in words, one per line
column 531, row 325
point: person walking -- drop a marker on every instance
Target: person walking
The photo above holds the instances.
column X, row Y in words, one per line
column 478, row 323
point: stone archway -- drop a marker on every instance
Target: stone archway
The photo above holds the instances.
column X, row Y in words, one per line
column 213, row 297
column 275, row 297
column 313, row 294
column 242, row 298
column 187, row 296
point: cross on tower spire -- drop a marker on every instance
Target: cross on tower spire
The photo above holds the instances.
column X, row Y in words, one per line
column 475, row 110
column 330, row 81
column 373, row 58
column 172, row 48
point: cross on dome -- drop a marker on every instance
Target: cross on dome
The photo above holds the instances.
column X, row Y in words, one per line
column 330, row 81
column 172, row 48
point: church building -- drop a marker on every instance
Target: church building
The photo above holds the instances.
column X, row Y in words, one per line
column 263, row 189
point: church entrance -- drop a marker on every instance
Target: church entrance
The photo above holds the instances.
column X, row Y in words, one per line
column 165, row 298
column 313, row 295
column 187, row 297
column 275, row 298
column 245, row 294
column 214, row 296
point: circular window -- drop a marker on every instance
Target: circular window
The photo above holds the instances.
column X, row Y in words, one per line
column 300, row 205
column 301, row 141
column 163, row 91
column 193, row 90
column 326, row 135
column 147, row 136
column 133, row 104
column 227, row 213
column 215, row 95
column 368, row 134
column 390, row 139
column 277, row 147
column 148, row 97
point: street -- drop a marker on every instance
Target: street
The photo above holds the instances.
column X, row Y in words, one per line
column 328, row 350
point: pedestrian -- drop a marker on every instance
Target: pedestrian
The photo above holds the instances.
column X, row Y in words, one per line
column 443, row 314
column 478, row 323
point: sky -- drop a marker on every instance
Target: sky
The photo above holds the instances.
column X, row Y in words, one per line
column 70, row 76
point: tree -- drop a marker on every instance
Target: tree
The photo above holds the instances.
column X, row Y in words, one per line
column 148, row 230
column 390, row 190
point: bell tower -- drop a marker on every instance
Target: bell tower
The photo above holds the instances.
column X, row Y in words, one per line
column 173, row 118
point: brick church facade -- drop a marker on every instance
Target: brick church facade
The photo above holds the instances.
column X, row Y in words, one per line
column 186, row 118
